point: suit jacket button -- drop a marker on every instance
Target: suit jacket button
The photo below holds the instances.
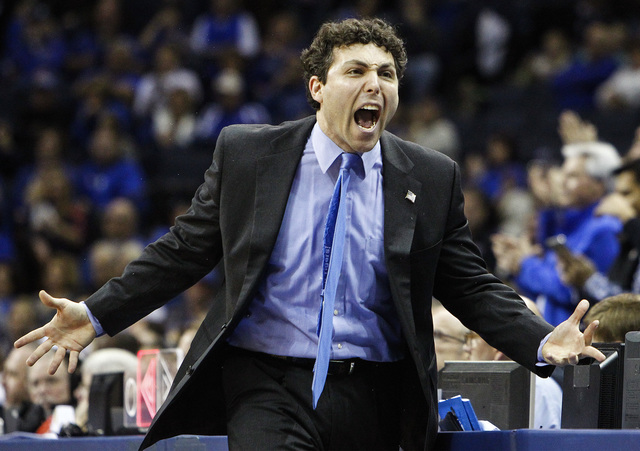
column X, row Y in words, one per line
column 189, row 370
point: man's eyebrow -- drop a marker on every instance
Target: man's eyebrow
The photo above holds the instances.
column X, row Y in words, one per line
column 363, row 64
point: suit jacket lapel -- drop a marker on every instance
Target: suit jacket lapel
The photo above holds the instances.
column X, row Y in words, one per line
column 399, row 224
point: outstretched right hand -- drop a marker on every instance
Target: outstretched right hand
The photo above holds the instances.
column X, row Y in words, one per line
column 69, row 330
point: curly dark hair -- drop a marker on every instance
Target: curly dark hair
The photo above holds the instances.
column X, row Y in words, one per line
column 318, row 57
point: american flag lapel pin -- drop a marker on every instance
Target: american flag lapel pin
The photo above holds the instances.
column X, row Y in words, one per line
column 411, row 196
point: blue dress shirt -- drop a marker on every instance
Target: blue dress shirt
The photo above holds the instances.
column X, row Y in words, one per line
column 283, row 316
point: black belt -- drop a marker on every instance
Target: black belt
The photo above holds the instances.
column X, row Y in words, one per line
column 344, row 367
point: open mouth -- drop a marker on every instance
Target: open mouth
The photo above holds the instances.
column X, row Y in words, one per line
column 367, row 117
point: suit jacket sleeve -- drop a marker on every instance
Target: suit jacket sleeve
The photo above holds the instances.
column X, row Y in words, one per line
column 480, row 300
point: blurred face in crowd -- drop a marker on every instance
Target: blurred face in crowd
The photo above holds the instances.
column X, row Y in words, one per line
column 448, row 337
column 48, row 390
column 14, row 377
column 120, row 220
column 105, row 148
column 580, row 189
column 478, row 349
column 627, row 186
column 359, row 98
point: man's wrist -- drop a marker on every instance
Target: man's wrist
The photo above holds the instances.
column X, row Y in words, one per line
column 94, row 321
column 541, row 361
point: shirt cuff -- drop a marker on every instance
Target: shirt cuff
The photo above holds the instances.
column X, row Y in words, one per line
column 98, row 327
column 541, row 361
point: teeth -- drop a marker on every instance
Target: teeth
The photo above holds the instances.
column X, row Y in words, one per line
column 370, row 107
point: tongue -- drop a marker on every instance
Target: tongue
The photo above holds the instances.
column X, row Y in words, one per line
column 364, row 118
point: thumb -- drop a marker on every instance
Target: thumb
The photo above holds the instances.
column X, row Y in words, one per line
column 50, row 301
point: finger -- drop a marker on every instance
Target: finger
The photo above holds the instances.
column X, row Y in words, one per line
column 39, row 352
column 73, row 361
column 590, row 351
column 590, row 331
column 32, row 336
column 579, row 312
column 57, row 360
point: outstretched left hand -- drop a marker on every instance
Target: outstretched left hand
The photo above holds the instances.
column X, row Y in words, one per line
column 567, row 345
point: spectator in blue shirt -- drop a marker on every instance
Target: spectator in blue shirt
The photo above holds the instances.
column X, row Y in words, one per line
column 586, row 171
column 109, row 173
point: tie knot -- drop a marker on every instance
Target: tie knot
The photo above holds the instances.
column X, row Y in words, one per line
column 350, row 161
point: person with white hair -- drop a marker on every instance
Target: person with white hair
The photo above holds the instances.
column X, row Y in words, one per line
column 100, row 361
column 532, row 267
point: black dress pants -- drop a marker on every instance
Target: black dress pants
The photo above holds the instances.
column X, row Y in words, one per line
column 269, row 405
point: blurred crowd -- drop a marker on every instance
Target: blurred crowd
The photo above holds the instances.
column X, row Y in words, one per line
column 110, row 110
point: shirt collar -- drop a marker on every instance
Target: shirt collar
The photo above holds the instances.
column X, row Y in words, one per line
column 327, row 151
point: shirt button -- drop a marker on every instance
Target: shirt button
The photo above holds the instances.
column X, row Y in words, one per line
column 335, row 312
column 339, row 345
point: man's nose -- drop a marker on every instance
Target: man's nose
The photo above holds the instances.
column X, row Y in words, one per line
column 372, row 83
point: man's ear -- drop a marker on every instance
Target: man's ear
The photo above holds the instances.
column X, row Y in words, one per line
column 316, row 89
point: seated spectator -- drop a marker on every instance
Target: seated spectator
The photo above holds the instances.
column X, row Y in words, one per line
column 226, row 28
column 25, row 314
column 574, row 88
column 586, row 170
column 95, row 108
column 229, row 107
column 548, row 393
column 617, row 314
column 56, row 220
column 49, row 390
column 502, row 171
column 107, row 259
column 101, row 361
column 430, row 128
column 168, row 74
column 448, row 336
column 34, row 41
column 110, row 174
column 49, row 153
column 173, row 125
column 119, row 69
column 544, row 63
column 18, row 412
column 120, row 222
column 624, row 274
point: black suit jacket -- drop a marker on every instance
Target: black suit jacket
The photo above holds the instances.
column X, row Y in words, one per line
column 236, row 215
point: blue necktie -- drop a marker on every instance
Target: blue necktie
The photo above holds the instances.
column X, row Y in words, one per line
column 334, row 237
